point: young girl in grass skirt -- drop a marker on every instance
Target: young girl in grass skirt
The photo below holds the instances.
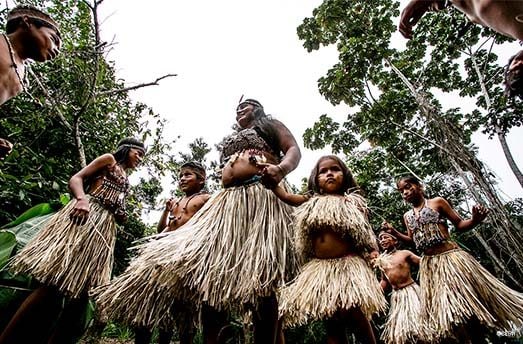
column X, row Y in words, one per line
column 334, row 237
column 459, row 296
column 74, row 251
column 234, row 253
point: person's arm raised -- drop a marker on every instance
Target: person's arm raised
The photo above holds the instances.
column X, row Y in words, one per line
column 479, row 213
column 393, row 231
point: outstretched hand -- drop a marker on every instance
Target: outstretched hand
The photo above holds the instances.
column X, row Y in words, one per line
column 479, row 213
column 414, row 11
column 80, row 212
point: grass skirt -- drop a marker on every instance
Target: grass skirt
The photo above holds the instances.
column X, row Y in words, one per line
column 236, row 249
column 343, row 215
column 70, row 257
column 456, row 288
column 325, row 286
column 404, row 323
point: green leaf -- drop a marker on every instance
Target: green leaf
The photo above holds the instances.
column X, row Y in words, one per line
column 37, row 210
column 7, row 244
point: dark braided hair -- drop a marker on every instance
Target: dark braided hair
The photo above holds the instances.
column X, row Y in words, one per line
column 124, row 146
column 263, row 124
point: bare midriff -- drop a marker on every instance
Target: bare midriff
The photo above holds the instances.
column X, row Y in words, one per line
column 440, row 248
column 399, row 274
column 241, row 169
column 327, row 244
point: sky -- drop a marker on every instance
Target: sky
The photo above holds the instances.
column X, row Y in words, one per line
column 222, row 50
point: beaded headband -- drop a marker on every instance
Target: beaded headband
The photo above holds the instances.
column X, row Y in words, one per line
column 252, row 102
column 128, row 145
column 32, row 12
column 389, row 234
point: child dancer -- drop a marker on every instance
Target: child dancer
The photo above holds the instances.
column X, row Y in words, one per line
column 333, row 235
column 403, row 321
column 459, row 296
column 175, row 215
column 74, row 251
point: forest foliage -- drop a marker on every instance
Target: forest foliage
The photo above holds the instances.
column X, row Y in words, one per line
column 76, row 108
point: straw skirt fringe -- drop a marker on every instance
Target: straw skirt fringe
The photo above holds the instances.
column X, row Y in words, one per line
column 71, row 257
column 141, row 297
column 325, row 286
column 236, row 249
column 404, row 323
column 455, row 288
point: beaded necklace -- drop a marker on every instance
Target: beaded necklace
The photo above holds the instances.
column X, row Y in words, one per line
column 14, row 65
column 184, row 209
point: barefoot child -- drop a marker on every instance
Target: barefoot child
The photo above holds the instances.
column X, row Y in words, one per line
column 334, row 237
column 403, row 321
column 176, row 214
column 74, row 251
column 459, row 296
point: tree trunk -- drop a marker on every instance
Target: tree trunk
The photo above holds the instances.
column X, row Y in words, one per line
column 501, row 135
column 510, row 158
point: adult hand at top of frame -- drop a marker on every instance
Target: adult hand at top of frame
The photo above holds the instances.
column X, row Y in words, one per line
column 413, row 12
column 80, row 212
column 5, row 148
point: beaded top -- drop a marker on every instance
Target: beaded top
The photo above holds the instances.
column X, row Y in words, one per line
column 425, row 229
column 243, row 140
column 111, row 193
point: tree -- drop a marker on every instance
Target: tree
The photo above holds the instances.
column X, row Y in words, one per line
column 395, row 107
column 75, row 109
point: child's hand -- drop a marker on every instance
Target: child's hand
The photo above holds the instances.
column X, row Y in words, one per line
column 169, row 204
column 271, row 174
column 373, row 256
column 80, row 212
column 479, row 213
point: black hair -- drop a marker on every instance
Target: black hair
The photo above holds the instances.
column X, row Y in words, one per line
column 13, row 24
column 383, row 230
column 513, row 79
column 263, row 124
column 409, row 178
column 124, row 146
column 349, row 183
column 196, row 167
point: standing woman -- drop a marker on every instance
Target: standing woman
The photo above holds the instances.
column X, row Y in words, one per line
column 74, row 251
column 230, row 256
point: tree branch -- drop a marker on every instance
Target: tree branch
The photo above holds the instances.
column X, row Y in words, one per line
column 132, row 88
column 55, row 106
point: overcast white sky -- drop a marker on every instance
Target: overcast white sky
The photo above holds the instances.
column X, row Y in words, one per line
column 223, row 49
